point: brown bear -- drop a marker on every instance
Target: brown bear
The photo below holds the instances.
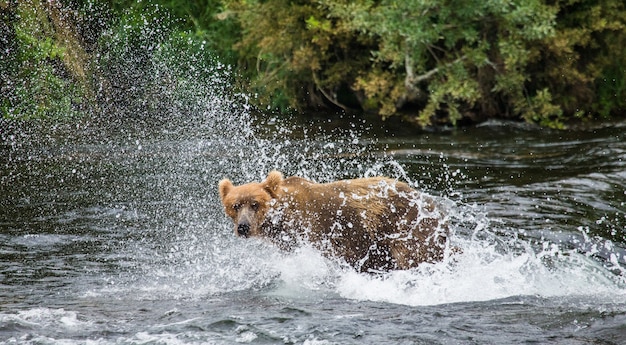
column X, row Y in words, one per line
column 374, row 224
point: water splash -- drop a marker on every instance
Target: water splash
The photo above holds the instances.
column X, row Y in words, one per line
column 204, row 259
column 481, row 274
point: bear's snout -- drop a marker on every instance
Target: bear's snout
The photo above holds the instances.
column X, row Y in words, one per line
column 243, row 229
column 245, row 222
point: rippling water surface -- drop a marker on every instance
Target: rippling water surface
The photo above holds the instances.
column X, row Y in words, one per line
column 111, row 232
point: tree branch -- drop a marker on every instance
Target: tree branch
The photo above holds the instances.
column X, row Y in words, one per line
column 412, row 91
column 333, row 100
column 411, row 79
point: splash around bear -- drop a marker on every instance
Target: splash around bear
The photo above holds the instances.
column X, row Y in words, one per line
column 374, row 224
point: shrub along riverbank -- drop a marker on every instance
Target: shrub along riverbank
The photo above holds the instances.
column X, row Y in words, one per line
column 428, row 62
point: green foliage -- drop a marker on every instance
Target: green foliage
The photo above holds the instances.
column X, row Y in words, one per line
column 431, row 62
column 293, row 50
column 36, row 73
column 583, row 65
column 205, row 20
column 440, row 61
column 46, row 71
column 455, row 57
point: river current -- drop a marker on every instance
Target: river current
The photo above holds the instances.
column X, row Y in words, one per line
column 111, row 232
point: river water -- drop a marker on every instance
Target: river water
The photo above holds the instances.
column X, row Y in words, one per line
column 111, row 232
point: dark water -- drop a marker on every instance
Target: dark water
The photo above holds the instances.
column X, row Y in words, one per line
column 112, row 233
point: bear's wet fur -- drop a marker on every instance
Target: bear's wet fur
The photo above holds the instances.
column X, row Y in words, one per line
column 374, row 224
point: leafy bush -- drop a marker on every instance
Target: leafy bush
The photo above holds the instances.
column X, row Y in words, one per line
column 583, row 64
column 47, row 72
column 430, row 62
column 41, row 70
column 438, row 62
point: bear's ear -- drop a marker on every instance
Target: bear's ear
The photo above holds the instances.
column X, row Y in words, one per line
column 224, row 187
column 272, row 182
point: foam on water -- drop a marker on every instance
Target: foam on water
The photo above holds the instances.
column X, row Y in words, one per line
column 483, row 271
column 480, row 275
column 45, row 318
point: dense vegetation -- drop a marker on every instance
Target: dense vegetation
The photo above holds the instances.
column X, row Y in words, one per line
column 549, row 62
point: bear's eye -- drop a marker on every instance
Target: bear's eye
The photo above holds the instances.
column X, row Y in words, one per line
column 236, row 207
column 254, row 206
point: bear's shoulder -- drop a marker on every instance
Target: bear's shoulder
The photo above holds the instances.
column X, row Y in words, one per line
column 294, row 181
column 295, row 186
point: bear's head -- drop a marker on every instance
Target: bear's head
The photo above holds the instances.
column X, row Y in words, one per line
column 249, row 203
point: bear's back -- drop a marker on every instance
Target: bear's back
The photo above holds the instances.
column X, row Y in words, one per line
column 350, row 217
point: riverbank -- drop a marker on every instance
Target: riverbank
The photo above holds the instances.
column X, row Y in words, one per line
column 520, row 62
